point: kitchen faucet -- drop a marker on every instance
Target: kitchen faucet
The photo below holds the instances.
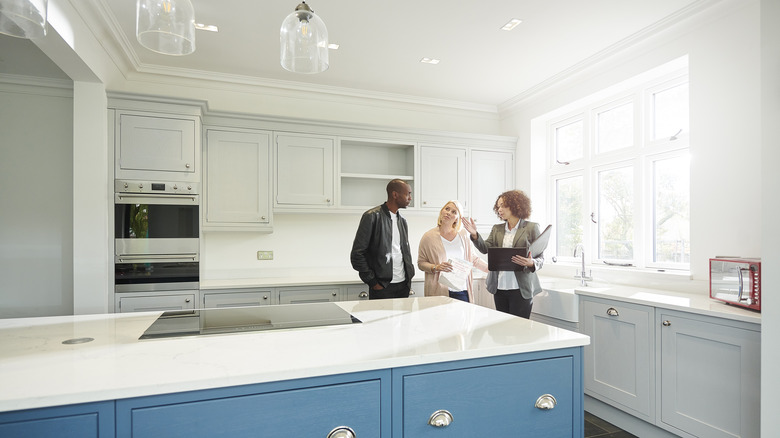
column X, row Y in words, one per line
column 581, row 275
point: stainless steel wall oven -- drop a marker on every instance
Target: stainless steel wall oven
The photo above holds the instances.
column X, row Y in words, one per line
column 156, row 238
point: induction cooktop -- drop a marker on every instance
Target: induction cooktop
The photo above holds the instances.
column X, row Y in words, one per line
column 247, row 319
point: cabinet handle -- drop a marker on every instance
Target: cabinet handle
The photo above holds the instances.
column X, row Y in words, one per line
column 425, row 202
column 333, row 293
column 546, row 402
column 362, row 294
column 411, row 292
column 342, row 432
column 262, row 217
column 187, row 300
column 612, row 312
column 440, row 418
column 187, row 165
column 265, row 297
column 666, row 323
column 328, row 201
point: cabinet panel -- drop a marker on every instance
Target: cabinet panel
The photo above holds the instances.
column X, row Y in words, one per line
column 304, row 170
column 355, row 293
column 76, row 421
column 306, row 412
column 158, row 302
column 443, row 176
column 308, row 295
column 367, row 165
column 493, row 401
column 237, row 179
column 151, row 144
column 710, row 372
column 237, row 299
column 492, row 173
column 619, row 359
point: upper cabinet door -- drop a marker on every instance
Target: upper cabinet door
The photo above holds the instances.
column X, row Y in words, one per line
column 157, row 147
column 304, row 171
column 237, row 179
column 443, row 176
column 492, row 173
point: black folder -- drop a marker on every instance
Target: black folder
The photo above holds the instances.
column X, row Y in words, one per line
column 500, row 259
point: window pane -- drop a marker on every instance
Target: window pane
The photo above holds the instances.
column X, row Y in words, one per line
column 568, row 142
column 671, row 187
column 616, row 214
column 670, row 111
column 568, row 214
column 616, row 128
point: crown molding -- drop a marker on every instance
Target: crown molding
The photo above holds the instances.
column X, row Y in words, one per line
column 36, row 85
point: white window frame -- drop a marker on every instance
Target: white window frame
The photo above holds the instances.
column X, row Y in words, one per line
column 641, row 155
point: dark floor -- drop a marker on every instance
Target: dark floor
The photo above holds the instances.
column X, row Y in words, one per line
column 596, row 427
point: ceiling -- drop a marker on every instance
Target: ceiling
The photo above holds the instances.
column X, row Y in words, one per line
column 381, row 43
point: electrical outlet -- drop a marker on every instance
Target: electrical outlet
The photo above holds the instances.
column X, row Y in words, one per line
column 265, row 255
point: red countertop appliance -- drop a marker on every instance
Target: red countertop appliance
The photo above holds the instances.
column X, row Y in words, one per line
column 736, row 281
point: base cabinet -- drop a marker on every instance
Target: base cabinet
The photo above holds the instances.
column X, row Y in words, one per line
column 710, row 376
column 619, row 359
column 124, row 303
column 529, row 394
column 690, row 374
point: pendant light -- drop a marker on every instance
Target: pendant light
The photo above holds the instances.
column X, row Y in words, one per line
column 304, row 42
column 23, row 18
column 166, row 26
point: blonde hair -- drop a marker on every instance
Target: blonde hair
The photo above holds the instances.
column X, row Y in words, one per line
column 459, row 222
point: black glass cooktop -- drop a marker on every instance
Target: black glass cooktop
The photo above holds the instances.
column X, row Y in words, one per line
column 247, row 319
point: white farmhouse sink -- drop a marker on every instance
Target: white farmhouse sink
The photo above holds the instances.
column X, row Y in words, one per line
column 558, row 300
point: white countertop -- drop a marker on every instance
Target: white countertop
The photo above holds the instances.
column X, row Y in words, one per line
column 38, row 370
column 687, row 302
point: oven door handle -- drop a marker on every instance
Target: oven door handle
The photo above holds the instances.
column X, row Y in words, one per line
column 741, row 284
column 131, row 198
column 124, row 258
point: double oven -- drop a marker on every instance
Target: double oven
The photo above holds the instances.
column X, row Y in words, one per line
column 156, row 244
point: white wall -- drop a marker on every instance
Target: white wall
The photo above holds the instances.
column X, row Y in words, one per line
column 303, row 245
column 770, row 234
column 723, row 53
column 36, row 218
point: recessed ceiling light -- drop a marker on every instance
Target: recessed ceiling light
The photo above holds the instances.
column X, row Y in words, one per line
column 333, row 46
column 511, row 24
column 208, row 27
column 429, row 61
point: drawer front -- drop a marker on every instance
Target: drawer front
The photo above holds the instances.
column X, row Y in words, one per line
column 76, row 421
column 306, row 412
column 492, row 401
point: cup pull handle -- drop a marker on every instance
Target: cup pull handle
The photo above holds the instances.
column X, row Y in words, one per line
column 612, row 312
column 440, row 418
column 546, row 402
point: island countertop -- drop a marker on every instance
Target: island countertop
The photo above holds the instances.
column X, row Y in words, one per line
column 38, row 370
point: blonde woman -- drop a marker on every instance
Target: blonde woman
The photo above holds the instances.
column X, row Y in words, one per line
column 447, row 241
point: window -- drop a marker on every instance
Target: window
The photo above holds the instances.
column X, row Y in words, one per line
column 619, row 177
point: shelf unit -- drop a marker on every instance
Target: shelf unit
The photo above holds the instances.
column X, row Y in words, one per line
column 366, row 166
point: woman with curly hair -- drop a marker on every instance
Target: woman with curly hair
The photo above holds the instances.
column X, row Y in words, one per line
column 513, row 291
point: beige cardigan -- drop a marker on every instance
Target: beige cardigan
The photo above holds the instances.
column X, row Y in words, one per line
column 431, row 252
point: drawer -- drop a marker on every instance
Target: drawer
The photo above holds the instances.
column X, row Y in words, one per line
column 492, row 401
column 305, row 412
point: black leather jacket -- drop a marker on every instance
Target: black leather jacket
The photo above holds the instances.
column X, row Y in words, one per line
column 371, row 250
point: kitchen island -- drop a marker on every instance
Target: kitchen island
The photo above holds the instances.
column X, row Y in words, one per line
column 386, row 376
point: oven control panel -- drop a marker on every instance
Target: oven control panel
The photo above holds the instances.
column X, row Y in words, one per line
column 151, row 187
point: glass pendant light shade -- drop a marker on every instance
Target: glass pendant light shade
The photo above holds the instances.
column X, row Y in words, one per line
column 166, row 26
column 23, row 18
column 304, row 41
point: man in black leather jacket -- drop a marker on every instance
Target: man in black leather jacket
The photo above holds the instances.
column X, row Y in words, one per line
column 380, row 252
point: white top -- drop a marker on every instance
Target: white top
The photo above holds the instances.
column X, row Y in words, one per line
column 507, row 279
column 37, row 370
column 398, row 258
column 455, row 251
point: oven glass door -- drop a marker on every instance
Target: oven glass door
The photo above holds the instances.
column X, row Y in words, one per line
column 156, row 272
column 161, row 226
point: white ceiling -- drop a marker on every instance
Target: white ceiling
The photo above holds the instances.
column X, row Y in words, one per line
column 383, row 42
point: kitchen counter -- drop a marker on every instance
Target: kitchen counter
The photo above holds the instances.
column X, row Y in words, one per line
column 700, row 304
column 38, row 370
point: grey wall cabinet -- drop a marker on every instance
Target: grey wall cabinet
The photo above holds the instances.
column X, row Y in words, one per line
column 304, row 171
column 237, row 180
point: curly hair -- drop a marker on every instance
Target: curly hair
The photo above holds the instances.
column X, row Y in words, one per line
column 517, row 202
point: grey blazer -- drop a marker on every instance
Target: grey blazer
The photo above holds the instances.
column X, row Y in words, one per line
column 526, row 277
